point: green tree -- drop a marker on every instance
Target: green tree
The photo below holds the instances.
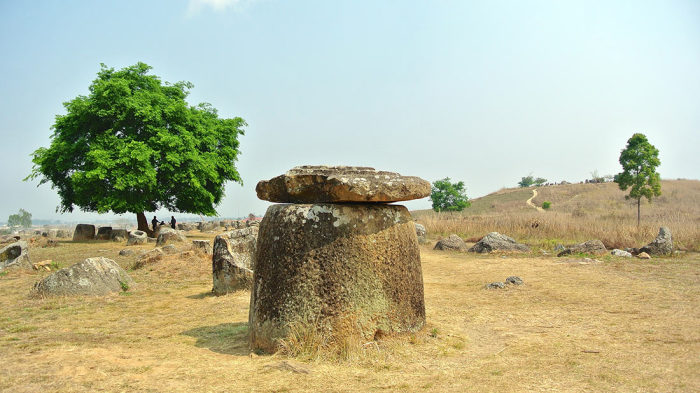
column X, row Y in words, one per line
column 529, row 180
column 22, row 219
column 639, row 161
column 448, row 196
column 135, row 145
column 526, row 181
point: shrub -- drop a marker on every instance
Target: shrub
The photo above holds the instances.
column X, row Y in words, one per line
column 546, row 205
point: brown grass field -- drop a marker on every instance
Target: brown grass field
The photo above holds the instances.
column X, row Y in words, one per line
column 616, row 325
column 579, row 212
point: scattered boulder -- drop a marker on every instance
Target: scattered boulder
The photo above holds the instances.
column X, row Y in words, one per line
column 515, row 280
column 621, row 253
column 169, row 235
column 496, row 241
column 420, row 229
column 662, row 245
column 137, row 237
column 84, row 232
column 233, row 260
column 202, row 245
column 151, row 240
column 169, row 249
column 453, row 242
column 126, row 252
column 594, row 247
column 104, row 233
column 119, row 235
column 337, row 184
column 94, row 276
column 559, row 248
column 15, row 255
column 643, row 255
column 496, row 285
column 206, row 226
column 187, row 226
column 62, row 233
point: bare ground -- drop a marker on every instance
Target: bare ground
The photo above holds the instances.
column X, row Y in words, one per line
column 618, row 325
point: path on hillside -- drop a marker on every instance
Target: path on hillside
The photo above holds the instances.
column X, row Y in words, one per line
column 529, row 201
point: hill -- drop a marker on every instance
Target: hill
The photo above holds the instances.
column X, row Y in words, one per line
column 578, row 212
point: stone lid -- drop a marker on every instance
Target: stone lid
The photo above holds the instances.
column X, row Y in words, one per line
column 327, row 184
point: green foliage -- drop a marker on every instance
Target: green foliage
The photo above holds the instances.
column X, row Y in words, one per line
column 447, row 196
column 529, row 180
column 546, row 205
column 22, row 219
column 639, row 161
column 125, row 286
column 134, row 144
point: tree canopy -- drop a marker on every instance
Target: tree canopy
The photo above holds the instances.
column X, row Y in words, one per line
column 528, row 181
column 639, row 160
column 448, row 196
column 22, row 219
column 135, row 145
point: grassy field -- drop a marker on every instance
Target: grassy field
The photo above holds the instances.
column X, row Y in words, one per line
column 579, row 212
column 617, row 325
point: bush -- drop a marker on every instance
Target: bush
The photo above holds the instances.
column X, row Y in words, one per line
column 546, row 205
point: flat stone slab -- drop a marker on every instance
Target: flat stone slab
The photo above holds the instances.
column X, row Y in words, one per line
column 338, row 184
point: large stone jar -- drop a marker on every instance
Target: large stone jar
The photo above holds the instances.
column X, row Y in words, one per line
column 346, row 270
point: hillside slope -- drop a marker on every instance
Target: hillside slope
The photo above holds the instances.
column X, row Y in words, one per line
column 578, row 212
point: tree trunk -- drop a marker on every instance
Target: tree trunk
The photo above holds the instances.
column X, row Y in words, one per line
column 143, row 223
column 639, row 202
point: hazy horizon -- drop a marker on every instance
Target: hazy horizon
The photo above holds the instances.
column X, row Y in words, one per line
column 485, row 92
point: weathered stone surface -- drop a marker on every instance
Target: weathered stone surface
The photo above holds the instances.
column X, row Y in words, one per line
column 495, row 241
column 170, row 249
column 119, row 235
column 643, row 255
column 187, row 226
column 620, row 253
column 137, row 237
column 350, row 270
column 202, row 245
column 496, row 285
column 515, row 280
column 233, row 260
column 84, row 232
column 15, row 255
column 126, row 252
column 595, row 247
column 662, row 245
column 206, row 226
column 168, row 235
column 420, row 229
column 104, row 233
column 94, row 276
column 321, row 184
column 453, row 242
column 62, row 233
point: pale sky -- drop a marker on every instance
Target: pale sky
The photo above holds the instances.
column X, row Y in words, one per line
column 484, row 92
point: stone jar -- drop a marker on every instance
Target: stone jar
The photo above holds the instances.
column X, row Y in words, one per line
column 346, row 270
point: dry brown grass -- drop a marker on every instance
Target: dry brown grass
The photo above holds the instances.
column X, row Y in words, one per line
column 579, row 212
column 615, row 326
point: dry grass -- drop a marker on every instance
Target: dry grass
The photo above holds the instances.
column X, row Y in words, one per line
column 615, row 326
column 579, row 212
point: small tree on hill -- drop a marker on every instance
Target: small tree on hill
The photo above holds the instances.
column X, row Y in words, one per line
column 22, row 219
column 639, row 161
column 135, row 145
column 529, row 180
column 448, row 196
